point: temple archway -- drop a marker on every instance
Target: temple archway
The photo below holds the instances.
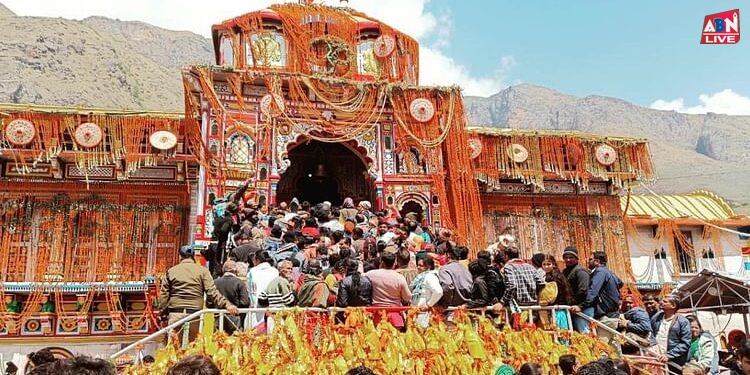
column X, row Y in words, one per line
column 320, row 171
column 413, row 203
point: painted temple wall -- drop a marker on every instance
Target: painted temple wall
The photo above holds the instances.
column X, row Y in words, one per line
column 64, row 226
column 650, row 270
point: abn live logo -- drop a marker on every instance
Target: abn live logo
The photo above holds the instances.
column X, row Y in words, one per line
column 721, row 28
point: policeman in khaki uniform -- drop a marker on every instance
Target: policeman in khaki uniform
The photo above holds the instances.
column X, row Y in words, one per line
column 182, row 290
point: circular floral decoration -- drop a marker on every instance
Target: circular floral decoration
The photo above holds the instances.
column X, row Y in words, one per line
column 103, row 324
column 33, row 325
column 20, row 132
column 475, row 145
column 518, row 153
column 606, row 154
column 265, row 103
column 163, row 140
column 69, row 325
column 285, row 129
column 88, row 135
column 137, row 324
column 331, row 56
column 421, row 109
column 384, row 45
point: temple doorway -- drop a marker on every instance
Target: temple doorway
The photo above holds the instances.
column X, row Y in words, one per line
column 324, row 172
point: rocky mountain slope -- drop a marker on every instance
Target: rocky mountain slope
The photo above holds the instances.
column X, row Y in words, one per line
column 109, row 63
column 95, row 62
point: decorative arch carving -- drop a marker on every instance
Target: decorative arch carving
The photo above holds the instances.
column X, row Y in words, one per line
column 411, row 199
column 363, row 146
column 418, row 198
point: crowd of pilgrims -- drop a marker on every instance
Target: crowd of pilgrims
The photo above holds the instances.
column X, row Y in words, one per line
column 322, row 256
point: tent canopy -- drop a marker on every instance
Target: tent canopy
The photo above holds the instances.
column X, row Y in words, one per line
column 716, row 291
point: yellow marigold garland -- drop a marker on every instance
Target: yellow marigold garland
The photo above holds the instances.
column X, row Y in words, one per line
column 473, row 346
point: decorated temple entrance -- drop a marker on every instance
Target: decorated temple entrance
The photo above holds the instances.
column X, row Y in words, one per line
column 322, row 171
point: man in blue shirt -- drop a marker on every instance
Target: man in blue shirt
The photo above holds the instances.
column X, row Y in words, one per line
column 603, row 295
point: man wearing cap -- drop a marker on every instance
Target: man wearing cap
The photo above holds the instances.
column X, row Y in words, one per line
column 182, row 290
column 579, row 280
column 364, row 208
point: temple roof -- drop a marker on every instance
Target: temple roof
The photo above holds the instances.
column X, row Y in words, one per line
column 50, row 109
column 319, row 40
column 495, row 131
column 703, row 205
column 534, row 156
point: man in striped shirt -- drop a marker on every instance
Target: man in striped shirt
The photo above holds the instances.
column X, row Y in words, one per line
column 279, row 292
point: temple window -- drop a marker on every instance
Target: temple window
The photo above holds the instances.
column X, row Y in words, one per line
column 226, row 51
column 266, row 50
column 686, row 259
column 367, row 63
column 240, row 149
column 214, row 127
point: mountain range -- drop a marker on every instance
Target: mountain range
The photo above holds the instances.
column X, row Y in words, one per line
column 101, row 62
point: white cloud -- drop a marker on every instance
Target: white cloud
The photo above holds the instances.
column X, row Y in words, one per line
column 437, row 69
column 409, row 16
column 725, row 102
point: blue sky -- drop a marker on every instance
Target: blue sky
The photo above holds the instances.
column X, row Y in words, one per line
column 646, row 52
column 640, row 51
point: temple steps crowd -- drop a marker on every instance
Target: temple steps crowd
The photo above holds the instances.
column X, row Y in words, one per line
column 322, row 255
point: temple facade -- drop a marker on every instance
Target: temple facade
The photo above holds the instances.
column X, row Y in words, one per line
column 321, row 103
column 310, row 102
column 93, row 204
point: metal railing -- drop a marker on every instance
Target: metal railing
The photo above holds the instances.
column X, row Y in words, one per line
column 221, row 313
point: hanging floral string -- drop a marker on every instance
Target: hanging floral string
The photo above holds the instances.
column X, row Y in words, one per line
column 552, row 154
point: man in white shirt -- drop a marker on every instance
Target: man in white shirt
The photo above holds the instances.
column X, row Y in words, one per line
column 673, row 334
column 258, row 280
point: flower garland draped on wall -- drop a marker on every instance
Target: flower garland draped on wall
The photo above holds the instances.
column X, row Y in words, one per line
column 125, row 136
column 76, row 236
column 559, row 155
column 309, row 30
column 359, row 107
